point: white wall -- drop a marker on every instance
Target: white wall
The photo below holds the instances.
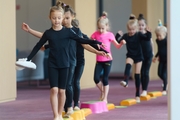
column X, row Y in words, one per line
column 118, row 14
column 35, row 13
column 173, row 59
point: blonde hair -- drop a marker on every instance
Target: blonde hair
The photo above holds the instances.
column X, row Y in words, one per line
column 132, row 21
column 57, row 7
column 103, row 19
column 160, row 28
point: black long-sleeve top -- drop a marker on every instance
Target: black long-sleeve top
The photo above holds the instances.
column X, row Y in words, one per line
column 77, row 50
column 162, row 50
column 59, row 43
column 80, row 50
column 147, row 45
column 133, row 44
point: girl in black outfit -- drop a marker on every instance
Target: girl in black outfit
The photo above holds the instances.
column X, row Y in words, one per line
column 59, row 39
column 161, row 34
column 73, row 81
column 76, row 50
column 134, row 53
column 147, row 50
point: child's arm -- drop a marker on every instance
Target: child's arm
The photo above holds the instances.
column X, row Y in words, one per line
column 36, row 48
column 26, row 28
column 91, row 49
column 156, row 56
column 81, row 40
column 119, row 45
column 152, row 45
column 120, row 40
column 147, row 36
column 118, row 36
column 94, row 46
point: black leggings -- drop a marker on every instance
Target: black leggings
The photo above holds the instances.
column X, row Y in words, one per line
column 69, row 89
column 146, row 64
column 76, row 83
column 162, row 73
column 106, row 67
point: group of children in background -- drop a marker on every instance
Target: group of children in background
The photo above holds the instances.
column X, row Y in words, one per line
column 66, row 58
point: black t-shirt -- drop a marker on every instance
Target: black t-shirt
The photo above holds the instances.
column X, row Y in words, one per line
column 162, row 50
column 59, row 45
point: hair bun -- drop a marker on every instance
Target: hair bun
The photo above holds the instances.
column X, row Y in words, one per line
column 104, row 14
column 132, row 17
column 141, row 16
column 159, row 22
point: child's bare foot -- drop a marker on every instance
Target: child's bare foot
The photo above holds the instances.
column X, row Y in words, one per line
column 61, row 118
column 69, row 112
column 105, row 100
column 56, row 118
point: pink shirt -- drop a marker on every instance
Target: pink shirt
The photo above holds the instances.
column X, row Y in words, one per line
column 105, row 38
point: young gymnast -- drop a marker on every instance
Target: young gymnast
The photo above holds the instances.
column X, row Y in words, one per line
column 104, row 63
column 75, row 51
column 59, row 39
column 69, row 21
column 161, row 34
column 134, row 52
column 147, row 50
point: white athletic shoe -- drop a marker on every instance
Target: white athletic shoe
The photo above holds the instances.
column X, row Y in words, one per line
column 124, row 84
column 138, row 99
column 76, row 108
column 144, row 93
column 164, row 92
column 23, row 63
column 19, row 68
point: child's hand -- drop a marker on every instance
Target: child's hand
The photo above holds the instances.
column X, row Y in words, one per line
column 148, row 29
column 154, row 60
column 102, row 53
column 108, row 55
column 120, row 33
column 103, row 45
column 25, row 27
column 43, row 48
column 123, row 42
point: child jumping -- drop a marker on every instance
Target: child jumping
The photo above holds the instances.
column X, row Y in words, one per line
column 134, row 53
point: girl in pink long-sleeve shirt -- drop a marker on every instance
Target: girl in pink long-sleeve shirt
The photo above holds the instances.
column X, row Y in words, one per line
column 104, row 63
